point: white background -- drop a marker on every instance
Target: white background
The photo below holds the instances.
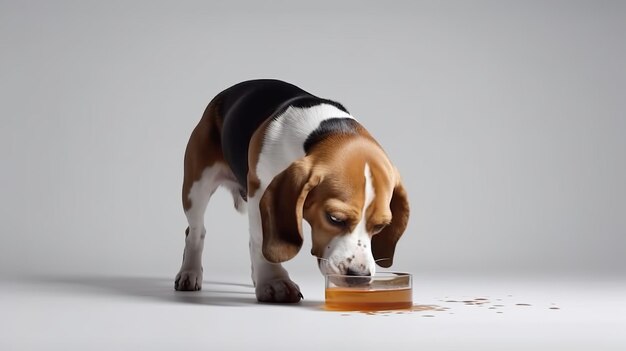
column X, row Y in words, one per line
column 506, row 120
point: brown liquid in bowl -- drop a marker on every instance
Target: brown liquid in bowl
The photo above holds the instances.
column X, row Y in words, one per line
column 342, row 299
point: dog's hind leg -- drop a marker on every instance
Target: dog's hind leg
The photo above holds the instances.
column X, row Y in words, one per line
column 205, row 171
column 190, row 275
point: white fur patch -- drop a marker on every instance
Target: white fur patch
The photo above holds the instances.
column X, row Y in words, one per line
column 285, row 137
column 369, row 197
column 199, row 194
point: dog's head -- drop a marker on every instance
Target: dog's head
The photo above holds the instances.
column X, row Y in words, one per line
column 353, row 199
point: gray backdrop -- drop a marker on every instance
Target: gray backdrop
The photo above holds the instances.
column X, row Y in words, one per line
column 506, row 120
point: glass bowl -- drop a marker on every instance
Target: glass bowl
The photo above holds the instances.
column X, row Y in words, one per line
column 381, row 292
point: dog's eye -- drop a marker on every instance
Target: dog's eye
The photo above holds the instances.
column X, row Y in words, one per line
column 336, row 221
column 378, row 228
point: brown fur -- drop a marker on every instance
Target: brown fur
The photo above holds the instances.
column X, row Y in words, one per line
column 256, row 145
column 204, row 148
column 384, row 243
column 281, row 211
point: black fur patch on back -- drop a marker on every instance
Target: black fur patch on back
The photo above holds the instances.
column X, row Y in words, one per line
column 328, row 127
column 244, row 107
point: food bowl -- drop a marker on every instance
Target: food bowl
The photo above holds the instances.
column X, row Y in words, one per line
column 382, row 292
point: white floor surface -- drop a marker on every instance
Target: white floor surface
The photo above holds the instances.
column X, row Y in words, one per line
column 132, row 313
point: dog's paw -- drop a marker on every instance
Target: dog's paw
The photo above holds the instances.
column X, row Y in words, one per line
column 278, row 290
column 188, row 280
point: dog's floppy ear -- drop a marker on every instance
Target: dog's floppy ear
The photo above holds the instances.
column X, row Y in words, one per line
column 384, row 243
column 281, row 210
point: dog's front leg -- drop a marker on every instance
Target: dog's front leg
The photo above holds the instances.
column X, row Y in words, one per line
column 271, row 280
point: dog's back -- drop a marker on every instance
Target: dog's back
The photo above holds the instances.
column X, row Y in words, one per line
column 242, row 108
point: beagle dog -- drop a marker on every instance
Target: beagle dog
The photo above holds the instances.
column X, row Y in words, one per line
column 292, row 156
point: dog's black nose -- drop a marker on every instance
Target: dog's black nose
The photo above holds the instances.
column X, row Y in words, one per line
column 357, row 278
